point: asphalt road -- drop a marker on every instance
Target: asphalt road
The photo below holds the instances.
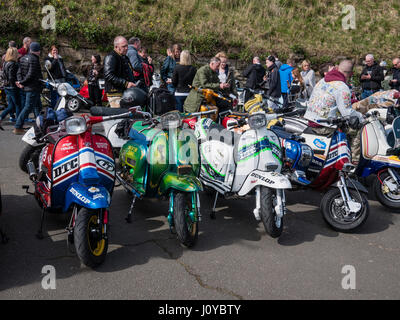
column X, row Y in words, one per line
column 233, row 259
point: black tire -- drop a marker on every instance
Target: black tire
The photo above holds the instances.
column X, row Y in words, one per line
column 73, row 105
column 387, row 199
column 267, row 213
column 186, row 230
column 29, row 153
column 84, row 241
column 332, row 210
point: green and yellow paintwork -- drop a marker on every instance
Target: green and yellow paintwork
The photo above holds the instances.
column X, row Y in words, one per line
column 152, row 171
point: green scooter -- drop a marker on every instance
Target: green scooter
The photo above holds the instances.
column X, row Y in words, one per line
column 161, row 159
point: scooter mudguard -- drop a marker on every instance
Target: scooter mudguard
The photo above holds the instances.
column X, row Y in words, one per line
column 29, row 137
column 273, row 180
column 185, row 183
column 352, row 184
column 94, row 197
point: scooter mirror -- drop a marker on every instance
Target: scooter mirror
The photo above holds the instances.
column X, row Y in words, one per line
column 47, row 65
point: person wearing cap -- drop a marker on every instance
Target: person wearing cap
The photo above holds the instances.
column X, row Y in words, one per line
column 273, row 82
column 28, row 79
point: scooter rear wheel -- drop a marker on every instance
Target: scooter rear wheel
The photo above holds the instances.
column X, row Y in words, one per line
column 333, row 210
column 90, row 246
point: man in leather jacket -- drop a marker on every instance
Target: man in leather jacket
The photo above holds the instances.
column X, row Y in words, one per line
column 118, row 72
column 371, row 77
column 29, row 76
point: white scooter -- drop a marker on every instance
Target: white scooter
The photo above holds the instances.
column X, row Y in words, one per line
column 242, row 163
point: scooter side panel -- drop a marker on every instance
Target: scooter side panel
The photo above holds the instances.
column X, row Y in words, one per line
column 158, row 157
column 104, row 161
column 217, row 165
column 369, row 139
column 188, row 150
column 64, row 169
column 133, row 156
column 320, row 146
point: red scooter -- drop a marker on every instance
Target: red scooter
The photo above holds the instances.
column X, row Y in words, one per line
column 76, row 173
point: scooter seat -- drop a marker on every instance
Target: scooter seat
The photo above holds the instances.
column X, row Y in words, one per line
column 105, row 111
column 219, row 132
column 281, row 133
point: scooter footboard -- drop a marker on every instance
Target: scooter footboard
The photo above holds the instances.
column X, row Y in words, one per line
column 273, row 180
column 185, row 183
column 94, row 197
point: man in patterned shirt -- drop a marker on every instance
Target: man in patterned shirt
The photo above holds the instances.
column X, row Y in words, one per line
column 331, row 98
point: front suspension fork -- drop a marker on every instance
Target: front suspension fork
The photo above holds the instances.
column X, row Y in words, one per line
column 194, row 214
column 350, row 205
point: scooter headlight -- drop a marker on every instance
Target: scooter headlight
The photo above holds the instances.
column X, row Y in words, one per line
column 75, row 125
column 257, row 120
column 62, row 90
column 171, row 120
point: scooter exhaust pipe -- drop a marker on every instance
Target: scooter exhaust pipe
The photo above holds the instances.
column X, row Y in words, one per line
column 31, row 170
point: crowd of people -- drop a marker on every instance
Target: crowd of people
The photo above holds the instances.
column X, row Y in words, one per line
column 129, row 65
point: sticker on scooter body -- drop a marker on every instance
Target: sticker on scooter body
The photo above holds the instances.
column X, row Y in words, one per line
column 272, row 180
column 319, row 144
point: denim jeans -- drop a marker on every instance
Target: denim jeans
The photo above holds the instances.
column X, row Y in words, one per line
column 171, row 88
column 32, row 103
column 366, row 94
column 22, row 96
column 13, row 102
column 180, row 100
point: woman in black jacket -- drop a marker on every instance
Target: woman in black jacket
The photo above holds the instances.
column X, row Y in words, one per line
column 95, row 73
column 57, row 70
column 182, row 77
column 10, row 68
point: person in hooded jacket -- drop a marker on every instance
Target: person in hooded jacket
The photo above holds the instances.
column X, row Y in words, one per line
column 285, row 73
column 331, row 98
column 254, row 74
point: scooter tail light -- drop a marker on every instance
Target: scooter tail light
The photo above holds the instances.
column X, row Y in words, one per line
column 105, row 217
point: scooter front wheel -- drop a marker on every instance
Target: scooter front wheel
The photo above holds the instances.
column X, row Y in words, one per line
column 386, row 197
column 267, row 213
column 186, row 229
column 334, row 211
column 90, row 245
